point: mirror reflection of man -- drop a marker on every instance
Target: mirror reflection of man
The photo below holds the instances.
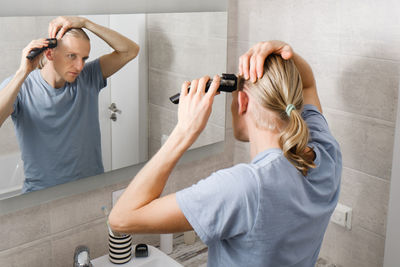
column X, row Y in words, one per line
column 55, row 108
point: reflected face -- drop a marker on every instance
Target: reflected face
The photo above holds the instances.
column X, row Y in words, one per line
column 69, row 57
column 238, row 122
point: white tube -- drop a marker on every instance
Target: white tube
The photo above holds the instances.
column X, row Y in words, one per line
column 166, row 243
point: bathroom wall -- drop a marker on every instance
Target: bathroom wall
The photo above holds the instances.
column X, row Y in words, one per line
column 354, row 50
column 46, row 235
column 183, row 47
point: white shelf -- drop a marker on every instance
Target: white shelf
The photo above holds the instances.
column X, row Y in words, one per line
column 156, row 258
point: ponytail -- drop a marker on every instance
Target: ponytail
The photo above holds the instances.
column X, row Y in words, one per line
column 294, row 141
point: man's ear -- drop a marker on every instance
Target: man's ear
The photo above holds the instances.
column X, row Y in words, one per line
column 243, row 101
column 49, row 54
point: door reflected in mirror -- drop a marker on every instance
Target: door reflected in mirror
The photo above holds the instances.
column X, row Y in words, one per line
column 134, row 112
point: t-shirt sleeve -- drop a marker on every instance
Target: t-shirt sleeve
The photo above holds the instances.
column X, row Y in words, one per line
column 93, row 76
column 222, row 206
column 17, row 100
column 315, row 120
column 320, row 134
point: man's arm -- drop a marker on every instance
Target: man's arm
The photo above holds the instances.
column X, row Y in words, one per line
column 9, row 93
column 251, row 65
column 139, row 209
column 310, row 94
column 124, row 49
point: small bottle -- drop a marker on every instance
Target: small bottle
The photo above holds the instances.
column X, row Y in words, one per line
column 166, row 243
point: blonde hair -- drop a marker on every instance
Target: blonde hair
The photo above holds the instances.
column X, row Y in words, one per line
column 76, row 32
column 280, row 86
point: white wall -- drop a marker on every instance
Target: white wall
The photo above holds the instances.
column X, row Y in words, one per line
column 353, row 48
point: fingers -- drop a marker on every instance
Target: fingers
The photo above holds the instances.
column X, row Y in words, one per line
column 184, row 89
column 251, row 64
column 59, row 26
column 198, row 88
column 39, row 43
column 201, row 89
column 54, row 27
column 245, row 65
column 287, row 52
column 240, row 66
column 193, row 87
column 259, row 65
column 214, row 86
column 246, row 62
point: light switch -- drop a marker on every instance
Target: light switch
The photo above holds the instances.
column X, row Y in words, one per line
column 342, row 216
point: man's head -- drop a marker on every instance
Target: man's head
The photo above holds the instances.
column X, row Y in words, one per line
column 266, row 100
column 264, row 105
column 68, row 58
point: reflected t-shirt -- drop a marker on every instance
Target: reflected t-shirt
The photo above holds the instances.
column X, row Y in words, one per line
column 266, row 213
column 58, row 129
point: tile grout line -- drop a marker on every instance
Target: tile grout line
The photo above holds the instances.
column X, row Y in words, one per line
column 367, row 174
column 50, row 236
column 361, row 117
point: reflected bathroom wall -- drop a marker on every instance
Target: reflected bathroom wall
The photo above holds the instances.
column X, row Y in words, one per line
column 183, row 47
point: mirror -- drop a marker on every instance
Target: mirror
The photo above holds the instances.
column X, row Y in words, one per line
column 175, row 47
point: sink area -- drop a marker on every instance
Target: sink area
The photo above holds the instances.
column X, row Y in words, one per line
column 156, row 258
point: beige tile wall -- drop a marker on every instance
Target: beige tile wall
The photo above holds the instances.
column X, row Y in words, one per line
column 184, row 46
column 353, row 48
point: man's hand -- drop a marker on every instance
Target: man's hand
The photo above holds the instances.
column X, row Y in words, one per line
column 195, row 106
column 27, row 65
column 58, row 26
column 251, row 64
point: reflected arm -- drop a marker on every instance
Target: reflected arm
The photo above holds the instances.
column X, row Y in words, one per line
column 124, row 49
column 9, row 94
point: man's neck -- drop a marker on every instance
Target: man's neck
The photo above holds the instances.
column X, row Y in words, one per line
column 51, row 76
column 261, row 140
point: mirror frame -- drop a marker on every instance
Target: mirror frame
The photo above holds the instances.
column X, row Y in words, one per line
column 93, row 7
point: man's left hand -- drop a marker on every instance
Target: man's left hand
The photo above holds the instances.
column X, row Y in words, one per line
column 58, row 26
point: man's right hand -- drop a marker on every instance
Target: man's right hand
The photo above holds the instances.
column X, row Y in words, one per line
column 251, row 63
column 27, row 65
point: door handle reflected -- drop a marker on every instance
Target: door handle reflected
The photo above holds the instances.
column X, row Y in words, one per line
column 113, row 117
column 113, row 108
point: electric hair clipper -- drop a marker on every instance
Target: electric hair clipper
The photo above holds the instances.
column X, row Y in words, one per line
column 228, row 84
column 36, row 51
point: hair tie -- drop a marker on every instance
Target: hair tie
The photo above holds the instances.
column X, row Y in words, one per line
column 289, row 109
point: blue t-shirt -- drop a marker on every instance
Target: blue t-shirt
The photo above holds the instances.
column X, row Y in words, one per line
column 266, row 213
column 58, row 129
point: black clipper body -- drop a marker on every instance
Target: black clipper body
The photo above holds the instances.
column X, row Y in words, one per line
column 228, row 83
column 36, row 51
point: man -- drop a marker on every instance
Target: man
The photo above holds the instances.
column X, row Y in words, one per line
column 271, row 212
column 55, row 108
